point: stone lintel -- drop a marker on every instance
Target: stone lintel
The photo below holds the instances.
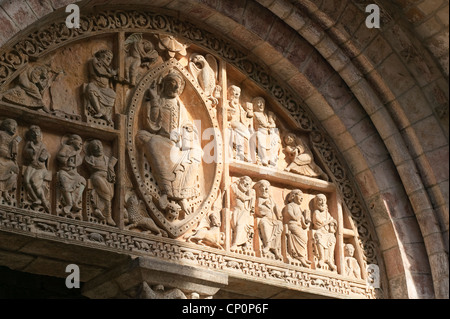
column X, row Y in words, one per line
column 128, row 279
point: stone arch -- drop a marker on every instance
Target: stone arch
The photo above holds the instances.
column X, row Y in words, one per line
column 403, row 189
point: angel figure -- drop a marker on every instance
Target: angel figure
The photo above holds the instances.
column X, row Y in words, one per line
column 300, row 158
column 31, row 87
column 172, row 46
column 204, row 70
column 140, row 53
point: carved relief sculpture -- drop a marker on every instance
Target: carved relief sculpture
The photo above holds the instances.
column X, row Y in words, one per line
column 297, row 222
column 172, row 46
column 171, row 143
column 70, row 183
column 99, row 96
column 324, row 233
column 241, row 123
column 204, row 70
column 300, row 158
column 136, row 218
column 243, row 209
column 102, row 180
column 159, row 292
column 352, row 267
column 210, row 234
column 30, row 88
column 267, row 135
column 270, row 225
column 8, row 160
column 141, row 52
column 36, row 175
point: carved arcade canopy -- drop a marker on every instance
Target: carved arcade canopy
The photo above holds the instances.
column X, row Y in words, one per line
column 142, row 133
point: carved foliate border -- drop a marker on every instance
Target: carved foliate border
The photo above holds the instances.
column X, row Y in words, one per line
column 102, row 237
column 55, row 35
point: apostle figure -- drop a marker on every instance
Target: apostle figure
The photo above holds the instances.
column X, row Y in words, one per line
column 241, row 124
column 267, row 136
column 36, row 175
column 102, row 180
column 243, row 210
column 71, row 183
column 270, row 225
column 8, row 159
column 297, row 222
column 324, row 233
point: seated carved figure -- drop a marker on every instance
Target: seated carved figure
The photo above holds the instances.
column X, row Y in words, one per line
column 171, row 143
column 297, row 222
column 270, row 223
column 300, row 158
column 36, row 175
column 324, row 233
column 99, row 96
column 71, row 183
column 8, row 159
column 102, row 179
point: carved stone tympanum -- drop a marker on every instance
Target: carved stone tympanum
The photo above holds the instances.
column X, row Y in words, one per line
column 183, row 174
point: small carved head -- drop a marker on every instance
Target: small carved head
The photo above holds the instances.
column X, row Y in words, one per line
column 295, row 196
column 289, row 139
column 172, row 84
column 259, row 104
column 234, row 92
column 320, row 202
column 33, row 134
column 262, row 188
column 349, row 250
column 75, row 140
column 95, row 148
column 105, row 56
column 9, row 126
column 244, row 183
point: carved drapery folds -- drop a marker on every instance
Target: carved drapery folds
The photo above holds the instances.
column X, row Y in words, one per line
column 151, row 147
